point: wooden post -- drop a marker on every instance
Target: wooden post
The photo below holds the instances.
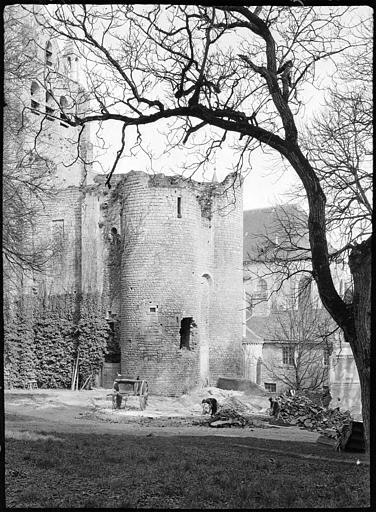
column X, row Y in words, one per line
column 73, row 371
column 75, row 376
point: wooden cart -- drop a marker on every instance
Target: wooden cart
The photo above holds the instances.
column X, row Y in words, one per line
column 131, row 387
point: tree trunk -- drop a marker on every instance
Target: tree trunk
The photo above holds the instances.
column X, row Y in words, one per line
column 360, row 267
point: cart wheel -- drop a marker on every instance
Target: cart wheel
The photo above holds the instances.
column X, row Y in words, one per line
column 143, row 401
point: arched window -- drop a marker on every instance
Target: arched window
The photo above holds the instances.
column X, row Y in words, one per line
column 305, row 292
column 34, row 93
column 49, row 103
column 48, row 55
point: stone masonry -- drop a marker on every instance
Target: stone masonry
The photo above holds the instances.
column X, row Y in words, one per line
column 162, row 255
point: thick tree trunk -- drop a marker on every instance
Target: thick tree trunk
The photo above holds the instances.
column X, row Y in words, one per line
column 360, row 267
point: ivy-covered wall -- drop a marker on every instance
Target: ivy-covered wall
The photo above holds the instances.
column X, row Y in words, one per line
column 44, row 335
column 19, row 353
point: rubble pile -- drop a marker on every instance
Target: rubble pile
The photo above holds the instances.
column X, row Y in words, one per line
column 231, row 413
column 300, row 410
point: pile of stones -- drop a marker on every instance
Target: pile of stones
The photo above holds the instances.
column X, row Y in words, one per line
column 304, row 412
column 231, row 413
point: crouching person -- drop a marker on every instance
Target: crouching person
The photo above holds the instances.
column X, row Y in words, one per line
column 275, row 408
column 209, row 406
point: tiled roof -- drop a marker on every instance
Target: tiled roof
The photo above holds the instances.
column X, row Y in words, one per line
column 268, row 223
column 265, row 328
column 284, row 226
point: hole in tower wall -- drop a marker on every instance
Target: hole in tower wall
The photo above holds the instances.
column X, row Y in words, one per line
column 185, row 332
column 179, row 206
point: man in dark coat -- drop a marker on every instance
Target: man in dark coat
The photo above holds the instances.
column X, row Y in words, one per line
column 117, row 398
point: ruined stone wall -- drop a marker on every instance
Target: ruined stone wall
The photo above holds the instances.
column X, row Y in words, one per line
column 92, row 243
column 170, row 271
column 58, row 230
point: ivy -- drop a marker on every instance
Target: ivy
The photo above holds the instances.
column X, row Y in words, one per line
column 44, row 336
column 93, row 334
column 19, row 357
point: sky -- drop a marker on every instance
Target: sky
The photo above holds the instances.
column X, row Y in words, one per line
column 266, row 178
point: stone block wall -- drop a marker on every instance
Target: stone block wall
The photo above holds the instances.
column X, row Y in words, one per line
column 175, row 266
column 226, row 354
column 58, row 231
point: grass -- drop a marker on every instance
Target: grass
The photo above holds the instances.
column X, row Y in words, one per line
column 114, row 471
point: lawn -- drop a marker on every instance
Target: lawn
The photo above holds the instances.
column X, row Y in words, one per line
column 105, row 471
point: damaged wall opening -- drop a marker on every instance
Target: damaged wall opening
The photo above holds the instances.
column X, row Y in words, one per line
column 185, row 332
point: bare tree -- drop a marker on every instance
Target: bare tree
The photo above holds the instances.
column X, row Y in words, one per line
column 339, row 145
column 240, row 71
column 301, row 337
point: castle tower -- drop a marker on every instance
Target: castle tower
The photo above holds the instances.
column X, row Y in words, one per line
column 181, row 281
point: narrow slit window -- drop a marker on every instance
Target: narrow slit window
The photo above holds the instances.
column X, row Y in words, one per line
column 179, row 207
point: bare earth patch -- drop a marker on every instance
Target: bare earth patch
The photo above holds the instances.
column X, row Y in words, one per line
column 70, row 449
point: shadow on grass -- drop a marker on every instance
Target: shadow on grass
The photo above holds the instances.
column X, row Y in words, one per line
column 106, row 471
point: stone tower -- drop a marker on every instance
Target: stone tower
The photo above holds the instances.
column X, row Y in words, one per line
column 181, row 280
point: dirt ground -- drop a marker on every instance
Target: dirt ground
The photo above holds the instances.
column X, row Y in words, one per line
column 30, row 412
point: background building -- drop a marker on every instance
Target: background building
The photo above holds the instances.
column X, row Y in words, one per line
column 288, row 336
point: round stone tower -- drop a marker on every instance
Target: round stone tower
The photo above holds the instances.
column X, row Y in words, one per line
column 181, row 280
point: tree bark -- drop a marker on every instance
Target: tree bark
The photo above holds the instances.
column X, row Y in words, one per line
column 360, row 267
